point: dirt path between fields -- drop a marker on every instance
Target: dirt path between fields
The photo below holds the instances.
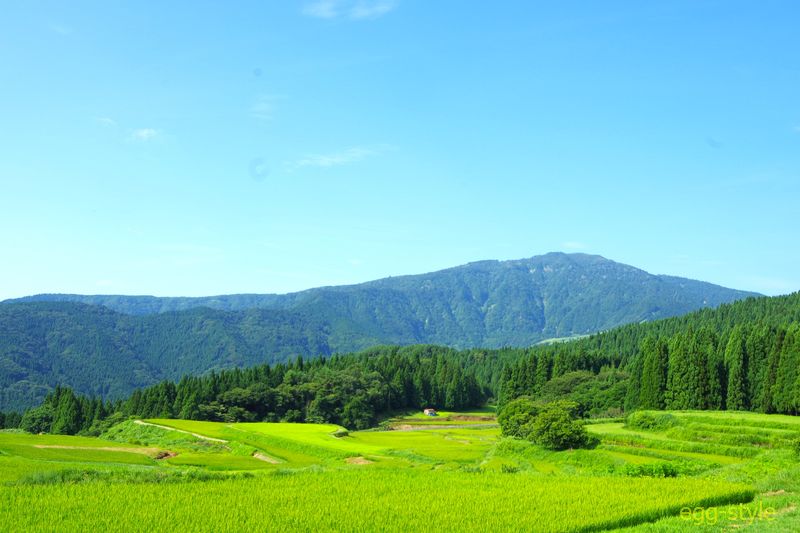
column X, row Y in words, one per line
column 143, row 451
column 358, row 461
column 410, row 427
column 143, row 423
column 266, row 458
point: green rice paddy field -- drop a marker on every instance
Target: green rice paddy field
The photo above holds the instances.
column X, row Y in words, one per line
column 705, row 472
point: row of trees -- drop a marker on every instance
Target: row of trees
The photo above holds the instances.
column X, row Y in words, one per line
column 597, row 392
column 9, row 420
column 66, row 413
column 351, row 390
column 742, row 356
column 753, row 367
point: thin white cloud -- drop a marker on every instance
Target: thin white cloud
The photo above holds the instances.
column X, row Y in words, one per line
column 264, row 106
column 797, row 128
column 371, row 10
column 335, row 159
column 349, row 9
column 573, row 245
column 105, row 121
column 324, row 9
column 144, row 134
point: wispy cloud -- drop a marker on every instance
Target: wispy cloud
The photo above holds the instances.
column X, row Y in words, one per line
column 371, row 10
column 573, row 245
column 349, row 9
column 105, row 121
column 335, row 159
column 324, row 9
column 796, row 129
column 264, row 106
column 144, row 134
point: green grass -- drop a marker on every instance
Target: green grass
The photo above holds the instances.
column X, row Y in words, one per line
column 306, row 444
column 477, row 417
column 26, row 439
column 317, row 435
column 459, row 445
column 208, row 429
column 741, row 418
column 359, row 500
column 459, row 478
column 67, row 448
column 678, row 441
column 486, row 412
column 130, row 432
column 219, row 462
column 658, row 453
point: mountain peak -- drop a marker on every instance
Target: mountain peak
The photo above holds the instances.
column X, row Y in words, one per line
column 481, row 304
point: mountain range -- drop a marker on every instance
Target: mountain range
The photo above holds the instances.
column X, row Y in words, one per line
column 108, row 345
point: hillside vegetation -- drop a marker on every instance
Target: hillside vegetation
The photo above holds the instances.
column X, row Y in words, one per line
column 111, row 345
column 742, row 356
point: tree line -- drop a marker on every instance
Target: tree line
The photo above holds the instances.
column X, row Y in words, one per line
column 353, row 390
column 741, row 356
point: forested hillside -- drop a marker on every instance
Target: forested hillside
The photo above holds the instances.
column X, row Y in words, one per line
column 100, row 352
column 353, row 390
column 488, row 303
column 742, row 356
column 83, row 343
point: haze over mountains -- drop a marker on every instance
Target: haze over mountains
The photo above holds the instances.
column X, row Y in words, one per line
column 109, row 345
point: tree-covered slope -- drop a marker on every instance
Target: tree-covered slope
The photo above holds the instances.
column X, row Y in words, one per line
column 488, row 303
column 109, row 345
column 100, row 352
column 740, row 356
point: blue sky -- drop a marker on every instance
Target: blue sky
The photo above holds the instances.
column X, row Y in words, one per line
column 189, row 148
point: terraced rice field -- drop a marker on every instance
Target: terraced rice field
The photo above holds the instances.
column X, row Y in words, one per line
column 267, row 476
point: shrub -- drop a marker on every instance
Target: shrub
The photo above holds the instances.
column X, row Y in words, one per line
column 556, row 428
column 102, row 426
column 666, row 469
column 515, row 418
column 37, row 420
column 651, row 421
column 553, row 425
column 652, row 470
